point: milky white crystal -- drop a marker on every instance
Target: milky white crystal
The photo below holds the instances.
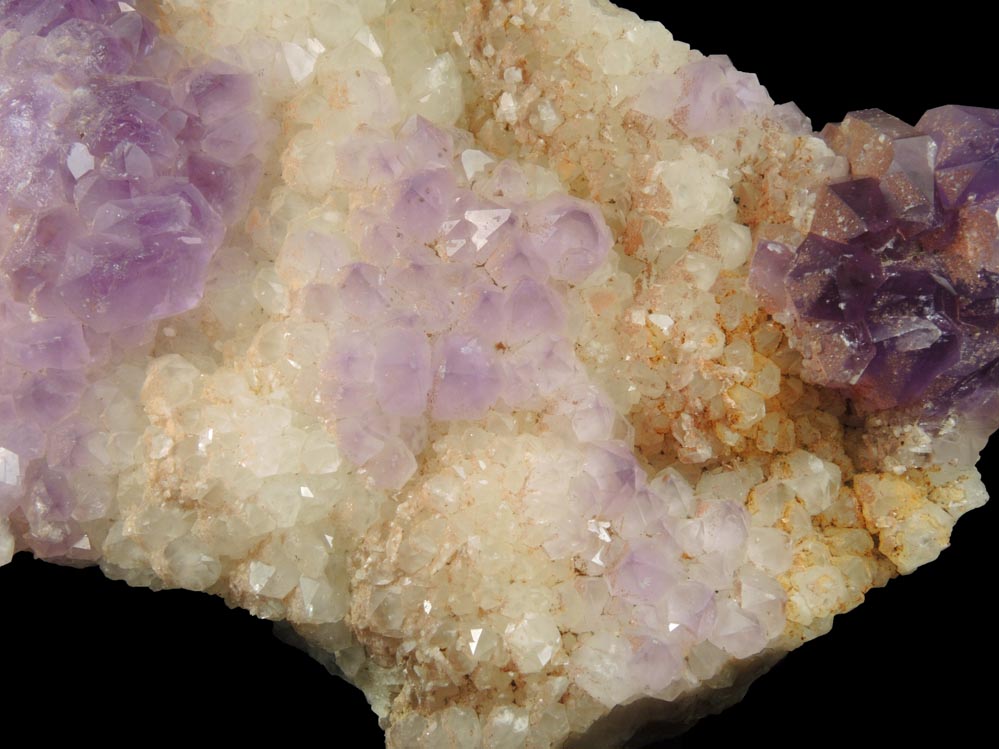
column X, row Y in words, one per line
column 639, row 498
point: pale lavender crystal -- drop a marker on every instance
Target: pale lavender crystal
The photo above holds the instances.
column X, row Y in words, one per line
column 402, row 371
column 456, row 305
column 644, row 575
column 771, row 263
column 570, row 235
column 616, row 477
column 533, row 310
column 655, row 664
column 692, row 606
column 48, row 344
column 121, row 166
column 704, row 96
column 737, row 631
column 469, row 377
column 592, row 414
column 893, row 294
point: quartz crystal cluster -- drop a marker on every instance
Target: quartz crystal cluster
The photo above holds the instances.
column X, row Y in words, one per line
column 452, row 304
column 893, row 294
column 545, row 386
column 119, row 164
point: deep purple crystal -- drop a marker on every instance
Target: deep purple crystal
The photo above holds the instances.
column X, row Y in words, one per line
column 894, row 293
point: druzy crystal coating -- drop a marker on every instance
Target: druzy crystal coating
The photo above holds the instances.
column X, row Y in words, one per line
column 893, row 294
column 119, row 164
column 543, row 385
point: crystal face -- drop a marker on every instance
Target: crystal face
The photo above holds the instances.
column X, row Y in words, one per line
column 544, row 386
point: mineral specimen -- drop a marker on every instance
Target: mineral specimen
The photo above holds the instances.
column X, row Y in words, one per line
column 544, row 386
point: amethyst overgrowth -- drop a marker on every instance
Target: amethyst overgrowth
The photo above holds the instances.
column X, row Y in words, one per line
column 455, row 307
column 893, row 294
column 120, row 164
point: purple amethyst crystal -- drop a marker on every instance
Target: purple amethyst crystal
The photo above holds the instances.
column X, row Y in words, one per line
column 893, row 294
column 457, row 306
column 121, row 164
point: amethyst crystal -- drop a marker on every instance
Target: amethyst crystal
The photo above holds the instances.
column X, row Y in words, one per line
column 893, row 295
column 457, row 305
column 121, row 165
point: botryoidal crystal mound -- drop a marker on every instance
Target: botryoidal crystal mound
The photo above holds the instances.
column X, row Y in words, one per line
column 545, row 386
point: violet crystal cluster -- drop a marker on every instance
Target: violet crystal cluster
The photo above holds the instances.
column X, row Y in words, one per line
column 119, row 165
column 455, row 305
column 894, row 293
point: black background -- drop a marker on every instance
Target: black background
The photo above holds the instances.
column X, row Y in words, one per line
column 84, row 658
